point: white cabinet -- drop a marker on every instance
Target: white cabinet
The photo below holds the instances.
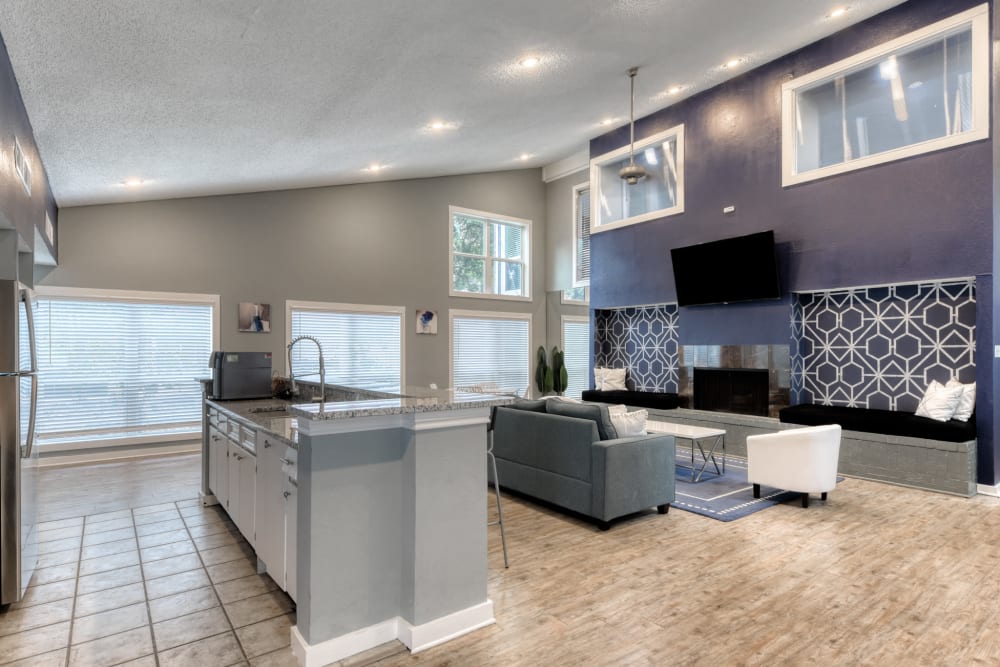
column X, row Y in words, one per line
column 291, row 536
column 218, row 465
column 242, row 481
column 270, row 507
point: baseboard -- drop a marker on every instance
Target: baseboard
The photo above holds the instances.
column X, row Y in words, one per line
column 440, row 630
column 988, row 490
column 126, row 454
column 415, row 637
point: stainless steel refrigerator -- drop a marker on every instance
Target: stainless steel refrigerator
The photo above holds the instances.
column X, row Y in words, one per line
column 18, row 454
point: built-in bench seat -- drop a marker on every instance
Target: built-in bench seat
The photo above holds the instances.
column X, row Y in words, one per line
column 886, row 422
column 638, row 399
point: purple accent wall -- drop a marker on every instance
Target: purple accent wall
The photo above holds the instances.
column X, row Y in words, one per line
column 912, row 220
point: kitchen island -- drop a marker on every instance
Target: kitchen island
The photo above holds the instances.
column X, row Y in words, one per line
column 385, row 517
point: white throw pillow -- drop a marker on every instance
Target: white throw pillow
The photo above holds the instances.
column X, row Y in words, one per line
column 609, row 379
column 939, row 402
column 967, row 405
column 617, row 409
column 564, row 399
column 628, row 423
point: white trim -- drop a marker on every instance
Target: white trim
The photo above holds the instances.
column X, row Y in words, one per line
column 570, row 164
column 596, row 226
column 577, row 189
column 416, row 637
column 338, row 648
column 340, row 308
column 421, row 637
column 94, row 443
column 485, row 315
column 977, row 18
column 420, row 421
column 526, row 254
column 987, row 490
column 117, row 456
column 435, row 421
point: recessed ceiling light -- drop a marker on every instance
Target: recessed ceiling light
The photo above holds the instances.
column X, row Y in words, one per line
column 607, row 121
column 673, row 90
column 838, row 12
column 374, row 168
column 439, row 125
column 732, row 62
column 525, row 156
column 529, row 62
column 134, row 182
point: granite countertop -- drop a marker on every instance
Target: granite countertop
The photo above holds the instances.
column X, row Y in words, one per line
column 413, row 400
column 267, row 414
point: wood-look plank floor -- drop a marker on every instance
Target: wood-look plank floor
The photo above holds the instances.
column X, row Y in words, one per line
column 878, row 575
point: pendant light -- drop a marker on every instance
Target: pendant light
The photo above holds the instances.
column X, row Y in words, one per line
column 633, row 173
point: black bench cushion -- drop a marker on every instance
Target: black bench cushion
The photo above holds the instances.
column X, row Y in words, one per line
column 639, row 399
column 886, row 422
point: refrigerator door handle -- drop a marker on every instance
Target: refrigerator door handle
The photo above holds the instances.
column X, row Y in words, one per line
column 30, row 316
column 31, row 417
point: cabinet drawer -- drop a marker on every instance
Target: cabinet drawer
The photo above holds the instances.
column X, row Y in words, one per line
column 248, row 438
column 233, row 430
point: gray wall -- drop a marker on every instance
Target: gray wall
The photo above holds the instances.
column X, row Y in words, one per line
column 374, row 243
column 559, row 230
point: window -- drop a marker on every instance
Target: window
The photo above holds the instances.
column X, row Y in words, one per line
column 576, row 296
column 659, row 194
column 490, row 255
column 922, row 92
column 576, row 354
column 362, row 345
column 581, row 235
column 490, row 347
column 119, row 367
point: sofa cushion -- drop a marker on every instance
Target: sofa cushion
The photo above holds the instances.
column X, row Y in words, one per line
column 640, row 399
column 528, row 404
column 592, row 411
column 886, row 422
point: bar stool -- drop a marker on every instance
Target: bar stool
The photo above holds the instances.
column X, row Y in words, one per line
column 496, row 483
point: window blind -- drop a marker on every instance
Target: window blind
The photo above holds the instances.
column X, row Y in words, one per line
column 576, row 344
column 360, row 349
column 582, row 236
column 114, row 368
column 490, row 350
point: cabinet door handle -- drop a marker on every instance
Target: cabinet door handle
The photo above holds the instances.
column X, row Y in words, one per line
column 238, row 457
column 286, row 494
column 267, row 444
column 215, row 438
column 287, row 462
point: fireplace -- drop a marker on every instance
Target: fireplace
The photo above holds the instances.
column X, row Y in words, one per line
column 744, row 391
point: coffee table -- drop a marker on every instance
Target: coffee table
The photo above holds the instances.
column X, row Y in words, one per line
column 699, row 437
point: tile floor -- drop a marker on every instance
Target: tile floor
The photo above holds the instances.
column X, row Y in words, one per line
column 168, row 584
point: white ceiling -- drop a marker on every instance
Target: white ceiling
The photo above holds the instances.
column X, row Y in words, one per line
column 234, row 96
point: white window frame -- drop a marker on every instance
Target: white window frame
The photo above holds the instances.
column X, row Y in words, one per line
column 597, row 225
column 525, row 252
column 577, row 191
column 327, row 307
column 977, row 18
column 574, row 302
column 130, row 296
column 485, row 315
column 562, row 338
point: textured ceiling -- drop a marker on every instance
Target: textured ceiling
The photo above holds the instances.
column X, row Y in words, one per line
column 231, row 96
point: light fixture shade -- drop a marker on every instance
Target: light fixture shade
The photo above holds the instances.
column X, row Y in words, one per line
column 632, row 173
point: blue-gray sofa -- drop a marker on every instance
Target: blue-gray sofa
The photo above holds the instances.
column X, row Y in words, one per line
column 570, row 455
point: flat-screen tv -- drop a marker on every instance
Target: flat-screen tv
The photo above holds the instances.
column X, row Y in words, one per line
column 742, row 268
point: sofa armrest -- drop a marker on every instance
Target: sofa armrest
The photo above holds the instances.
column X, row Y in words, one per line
column 632, row 474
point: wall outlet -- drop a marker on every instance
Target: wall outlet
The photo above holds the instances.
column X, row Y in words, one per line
column 728, row 209
column 996, row 351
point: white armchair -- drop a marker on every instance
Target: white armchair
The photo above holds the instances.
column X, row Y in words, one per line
column 801, row 459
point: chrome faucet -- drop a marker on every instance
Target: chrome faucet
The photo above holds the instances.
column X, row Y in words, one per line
column 322, row 369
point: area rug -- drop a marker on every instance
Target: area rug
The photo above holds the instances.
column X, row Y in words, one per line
column 727, row 497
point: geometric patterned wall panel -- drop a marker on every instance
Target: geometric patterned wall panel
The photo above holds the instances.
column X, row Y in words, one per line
column 643, row 340
column 879, row 347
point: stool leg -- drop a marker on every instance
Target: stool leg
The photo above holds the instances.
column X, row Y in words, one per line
column 496, row 489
